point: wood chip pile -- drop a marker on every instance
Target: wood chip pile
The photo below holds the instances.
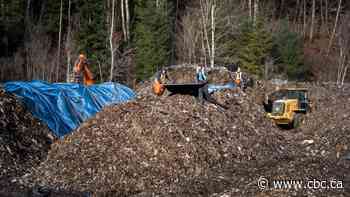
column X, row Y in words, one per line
column 175, row 146
column 24, row 140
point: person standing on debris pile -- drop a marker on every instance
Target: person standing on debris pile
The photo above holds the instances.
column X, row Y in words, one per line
column 200, row 73
column 82, row 74
column 203, row 92
column 158, row 87
column 238, row 79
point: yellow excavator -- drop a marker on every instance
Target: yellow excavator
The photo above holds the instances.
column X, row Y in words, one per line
column 288, row 106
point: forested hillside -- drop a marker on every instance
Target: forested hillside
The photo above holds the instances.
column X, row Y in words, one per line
column 128, row 41
column 141, row 98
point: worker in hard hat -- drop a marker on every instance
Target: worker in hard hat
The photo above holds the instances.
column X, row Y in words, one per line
column 200, row 73
column 238, row 79
column 82, row 74
column 158, row 87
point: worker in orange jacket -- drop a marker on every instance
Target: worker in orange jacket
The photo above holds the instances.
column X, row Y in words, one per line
column 158, row 87
column 82, row 74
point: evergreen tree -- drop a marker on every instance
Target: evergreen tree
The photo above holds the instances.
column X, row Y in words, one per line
column 152, row 33
column 288, row 49
column 92, row 36
column 255, row 45
column 11, row 26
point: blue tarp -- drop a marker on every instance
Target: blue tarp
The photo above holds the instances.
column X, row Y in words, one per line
column 64, row 106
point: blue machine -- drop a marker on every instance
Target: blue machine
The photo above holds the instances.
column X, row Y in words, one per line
column 64, row 106
column 214, row 88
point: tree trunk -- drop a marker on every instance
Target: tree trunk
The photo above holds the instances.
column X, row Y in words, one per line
column 335, row 28
column 27, row 38
column 204, row 13
column 42, row 11
column 2, row 9
column 300, row 17
column 326, row 15
column 344, row 74
column 342, row 60
column 68, row 43
column 100, row 70
column 312, row 20
column 123, row 20
column 295, row 19
column 256, row 10
column 212, row 59
column 111, row 42
column 59, row 42
column 322, row 15
column 281, row 8
column 127, row 19
column 304, row 18
column 250, row 9
column 204, row 51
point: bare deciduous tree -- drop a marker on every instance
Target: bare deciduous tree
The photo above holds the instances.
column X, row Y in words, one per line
column 38, row 53
column 208, row 17
column 206, row 40
column 344, row 50
column 68, row 43
column 127, row 20
column 59, row 42
column 335, row 27
column 256, row 10
column 304, row 18
column 250, row 8
column 123, row 19
column 111, row 41
column 312, row 20
column 189, row 37
column 212, row 58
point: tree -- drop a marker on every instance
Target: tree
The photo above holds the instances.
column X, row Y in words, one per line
column 254, row 44
column 152, row 38
column 122, row 6
column 313, row 20
column 111, row 41
column 92, row 33
column 208, row 20
column 212, row 58
column 68, row 42
column 189, row 39
column 256, row 10
column 344, row 50
column 335, row 27
column 59, row 41
column 288, row 50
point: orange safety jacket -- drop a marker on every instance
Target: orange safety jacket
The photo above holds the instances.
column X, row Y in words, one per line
column 82, row 73
column 158, row 88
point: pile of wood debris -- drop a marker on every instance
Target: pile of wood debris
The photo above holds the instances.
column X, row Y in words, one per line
column 175, row 146
column 24, row 140
column 167, row 144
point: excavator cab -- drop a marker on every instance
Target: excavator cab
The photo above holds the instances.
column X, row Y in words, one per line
column 289, row 106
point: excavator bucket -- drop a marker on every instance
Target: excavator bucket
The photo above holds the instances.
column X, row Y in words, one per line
column 188, row 88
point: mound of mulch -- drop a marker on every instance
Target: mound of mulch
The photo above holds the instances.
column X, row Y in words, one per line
column 24, row 140
column 166, row 145
column 320, row 149
column 175, row 146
